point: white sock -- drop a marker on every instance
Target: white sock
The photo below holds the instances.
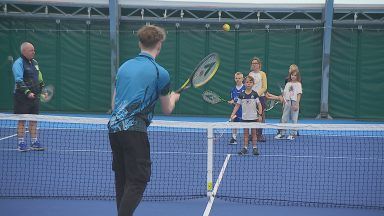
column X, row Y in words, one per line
column 20, row 139
column 34, row 140
column 234, row 136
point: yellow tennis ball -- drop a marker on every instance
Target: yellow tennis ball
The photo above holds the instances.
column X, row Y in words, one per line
column 226, row 27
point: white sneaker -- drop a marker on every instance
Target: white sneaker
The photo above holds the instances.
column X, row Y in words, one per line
column 290, row 137
column 279, row 136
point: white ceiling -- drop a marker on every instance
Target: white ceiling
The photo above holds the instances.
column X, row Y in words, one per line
column 368, row 4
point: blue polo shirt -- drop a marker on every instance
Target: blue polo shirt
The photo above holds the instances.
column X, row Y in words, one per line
column 235, row 92
column 28, row 77
column 139, row 83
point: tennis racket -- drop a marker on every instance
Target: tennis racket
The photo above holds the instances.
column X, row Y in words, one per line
column 47, row 93
column 219, row 132
column 203, row 72
column 270, row 104
column 212, row 97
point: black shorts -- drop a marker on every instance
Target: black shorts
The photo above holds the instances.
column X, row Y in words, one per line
column 249, row 120
column 23, row 105
column 131, row 155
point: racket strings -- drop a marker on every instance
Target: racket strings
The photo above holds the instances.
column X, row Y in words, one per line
column 271, row 104
column 47, row 93
column 211, row 97
column 206, row 70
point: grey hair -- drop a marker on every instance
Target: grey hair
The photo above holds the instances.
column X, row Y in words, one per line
column 22, row 46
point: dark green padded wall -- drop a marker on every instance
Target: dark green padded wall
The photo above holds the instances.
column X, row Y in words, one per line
column 75, row 57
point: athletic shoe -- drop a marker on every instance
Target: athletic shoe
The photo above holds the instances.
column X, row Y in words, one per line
column 232, row 141
column 255, row 151
column 36, row 146
column 279, row 136
column 243, row 151
column 22, row 147
column 261, row 138
column 290, row 137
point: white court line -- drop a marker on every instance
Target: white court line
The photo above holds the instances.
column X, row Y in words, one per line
column 216, row 188
column 305, row 156
column 3, row 138
column 322, row 157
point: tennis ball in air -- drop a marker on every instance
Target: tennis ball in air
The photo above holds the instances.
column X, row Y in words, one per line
column 226, row 27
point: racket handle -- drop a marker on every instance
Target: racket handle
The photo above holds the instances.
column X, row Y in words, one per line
column 181, row 89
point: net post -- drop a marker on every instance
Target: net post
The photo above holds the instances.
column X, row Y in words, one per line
column 209, row 161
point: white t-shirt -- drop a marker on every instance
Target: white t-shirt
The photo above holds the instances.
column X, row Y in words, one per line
column 248, row 104
column 258, row 81
column 291, row 90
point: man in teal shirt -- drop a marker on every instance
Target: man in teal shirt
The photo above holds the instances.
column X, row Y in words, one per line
column 140, row 83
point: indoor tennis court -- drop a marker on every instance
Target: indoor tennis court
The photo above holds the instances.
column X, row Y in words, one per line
column 333, row 166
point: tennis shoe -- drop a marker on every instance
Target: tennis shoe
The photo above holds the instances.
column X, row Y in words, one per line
column 279, row 136
column 255, row 151
column 22, row 147
column 243, row 151
column 232, row 141
column 290, row 137
column 36, row 146
column 261, row 138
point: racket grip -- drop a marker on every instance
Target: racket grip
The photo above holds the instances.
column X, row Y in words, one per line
column 181, row 89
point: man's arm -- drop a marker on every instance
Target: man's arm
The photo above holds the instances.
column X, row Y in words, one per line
column 18, row 74
column 168, row 102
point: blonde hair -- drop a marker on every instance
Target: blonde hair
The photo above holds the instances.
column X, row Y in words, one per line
column 239, row 74
column 294, row 69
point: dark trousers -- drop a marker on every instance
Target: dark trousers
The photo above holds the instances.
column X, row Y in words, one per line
column 132, row 166
column 263, row 105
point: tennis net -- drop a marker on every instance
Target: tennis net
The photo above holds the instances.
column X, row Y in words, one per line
column 325, row 166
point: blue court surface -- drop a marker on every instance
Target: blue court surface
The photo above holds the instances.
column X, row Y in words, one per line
column 41, row 207
column 316, row 159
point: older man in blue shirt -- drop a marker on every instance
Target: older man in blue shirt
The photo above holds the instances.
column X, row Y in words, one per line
column 28, row 85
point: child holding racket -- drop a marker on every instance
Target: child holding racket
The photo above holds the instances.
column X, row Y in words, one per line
column 251, row 107
column 292, row 67
column 292, row 96
column 235, row 92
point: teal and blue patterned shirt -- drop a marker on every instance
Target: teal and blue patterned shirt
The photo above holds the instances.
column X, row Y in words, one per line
column 139, row 83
